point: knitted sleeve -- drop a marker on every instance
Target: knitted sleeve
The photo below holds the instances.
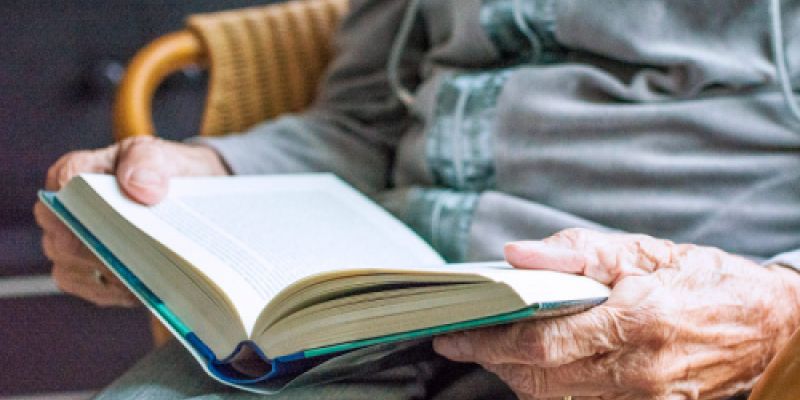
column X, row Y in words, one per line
column 356, row 121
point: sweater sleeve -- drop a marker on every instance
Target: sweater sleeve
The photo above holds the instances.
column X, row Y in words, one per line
column 356, row 122
column 789, row 259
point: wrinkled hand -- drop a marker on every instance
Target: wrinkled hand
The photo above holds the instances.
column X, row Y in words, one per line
column 143, row 166
column 682, row 322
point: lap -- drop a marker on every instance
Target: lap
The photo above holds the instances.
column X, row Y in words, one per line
column 171, row 373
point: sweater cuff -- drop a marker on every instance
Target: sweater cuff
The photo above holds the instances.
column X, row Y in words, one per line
column 273, row 147
column 230, row 149
column 789, row 259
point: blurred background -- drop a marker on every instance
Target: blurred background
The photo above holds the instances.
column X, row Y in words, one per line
column 60, row 62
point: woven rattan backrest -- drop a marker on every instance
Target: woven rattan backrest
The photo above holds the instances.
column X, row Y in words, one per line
column 264, row 61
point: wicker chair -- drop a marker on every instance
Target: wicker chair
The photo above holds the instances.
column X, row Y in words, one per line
column 263, row 62
column 266, row 61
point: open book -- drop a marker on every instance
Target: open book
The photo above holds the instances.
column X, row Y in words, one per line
column 291, row 268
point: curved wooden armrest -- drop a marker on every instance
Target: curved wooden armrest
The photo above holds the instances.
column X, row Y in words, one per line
column 781, row 380
column 162, row 57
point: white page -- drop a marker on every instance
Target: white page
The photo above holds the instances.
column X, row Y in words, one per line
column 537, row 286
column 255, row 235
column 533, row 286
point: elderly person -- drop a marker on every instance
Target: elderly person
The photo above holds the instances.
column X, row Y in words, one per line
column 590, row 124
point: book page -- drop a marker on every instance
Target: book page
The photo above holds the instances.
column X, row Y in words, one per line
column 291, row 235
column 253, row 236
column 532, row 286
column 536, row 286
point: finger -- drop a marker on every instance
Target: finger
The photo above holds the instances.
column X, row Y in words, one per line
column 543, row 343
column 612, row 254
column 77, row 162
column 74, row 280
column 539, row 255
column 46, row 219
column 68, row 249
column 82, row 282
column 60, row 245
column 87, row 273
column 605, row 257
column 144, row 169
column 82, row 261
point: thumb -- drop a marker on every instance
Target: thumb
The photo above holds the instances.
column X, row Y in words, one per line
column 604, row 256
column 532, row 254
column 143, row 169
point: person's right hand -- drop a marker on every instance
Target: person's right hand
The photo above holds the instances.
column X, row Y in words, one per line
column 143, row 166
column 682, row 321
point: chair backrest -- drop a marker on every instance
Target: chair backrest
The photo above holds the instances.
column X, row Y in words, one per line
column 263, row 61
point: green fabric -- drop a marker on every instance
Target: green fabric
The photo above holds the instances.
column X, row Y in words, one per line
column 532, row 42
column 443, row 217
column 459, row 148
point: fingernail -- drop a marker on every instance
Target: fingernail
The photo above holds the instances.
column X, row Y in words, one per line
column 525, row 245
column 144, row 178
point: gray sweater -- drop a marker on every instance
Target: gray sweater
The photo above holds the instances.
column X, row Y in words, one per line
column 527, row 117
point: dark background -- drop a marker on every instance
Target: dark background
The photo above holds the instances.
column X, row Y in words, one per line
column 59, row 64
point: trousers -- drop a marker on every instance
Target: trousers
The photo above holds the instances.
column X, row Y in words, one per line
column 412, row 371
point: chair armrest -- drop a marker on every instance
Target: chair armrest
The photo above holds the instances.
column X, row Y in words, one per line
column 146, row 71
column 781, row 379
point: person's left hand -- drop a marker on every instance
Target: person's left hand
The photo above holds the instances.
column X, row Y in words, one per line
column 682, row 322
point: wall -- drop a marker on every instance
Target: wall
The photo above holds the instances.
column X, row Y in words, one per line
column 59, row 61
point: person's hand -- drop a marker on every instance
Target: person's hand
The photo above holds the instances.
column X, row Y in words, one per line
column 682, row 322
column 143, row 166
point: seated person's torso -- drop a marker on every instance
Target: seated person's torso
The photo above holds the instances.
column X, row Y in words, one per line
column 648, row 116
